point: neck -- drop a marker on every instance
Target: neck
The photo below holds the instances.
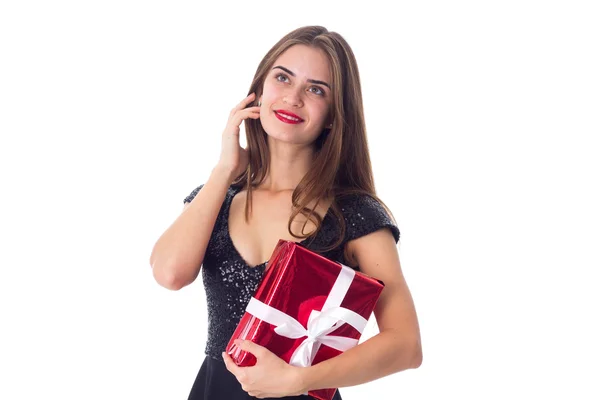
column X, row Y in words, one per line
column 288, row 165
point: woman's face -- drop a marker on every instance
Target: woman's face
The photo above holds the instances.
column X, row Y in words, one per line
column 297, row 96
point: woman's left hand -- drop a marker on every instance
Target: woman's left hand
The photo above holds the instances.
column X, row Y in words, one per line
column 270, row 377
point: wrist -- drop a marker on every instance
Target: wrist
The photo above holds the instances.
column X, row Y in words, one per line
column 303, row 379
column 223, row 174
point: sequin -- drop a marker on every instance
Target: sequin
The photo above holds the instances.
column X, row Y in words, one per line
column 229, row 282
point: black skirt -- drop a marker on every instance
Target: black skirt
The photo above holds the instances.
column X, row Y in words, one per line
column 215, row 382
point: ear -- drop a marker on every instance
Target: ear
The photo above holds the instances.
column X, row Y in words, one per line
column 329, row 121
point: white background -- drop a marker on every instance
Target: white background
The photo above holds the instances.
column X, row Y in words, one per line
column 482, row 120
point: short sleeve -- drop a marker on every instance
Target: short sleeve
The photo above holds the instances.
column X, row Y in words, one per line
column 363, row 215
column 191, row 196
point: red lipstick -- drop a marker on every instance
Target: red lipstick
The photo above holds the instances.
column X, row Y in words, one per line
column 288, row 117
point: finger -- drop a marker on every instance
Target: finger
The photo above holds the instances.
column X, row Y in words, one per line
column 246, row 101
column 241, row 115
column 244, row 112
column 253, row 109
column 230, row 365
column 255, row 349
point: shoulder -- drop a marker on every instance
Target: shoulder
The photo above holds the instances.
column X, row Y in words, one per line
column 363, row 215
column 233, row 189
column 193, row 194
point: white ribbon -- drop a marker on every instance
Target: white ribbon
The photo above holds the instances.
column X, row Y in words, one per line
column 320, row 323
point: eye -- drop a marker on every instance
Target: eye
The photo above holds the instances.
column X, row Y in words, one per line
column 285, row 78
column 318, row 91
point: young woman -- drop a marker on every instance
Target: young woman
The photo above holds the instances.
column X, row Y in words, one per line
column 305, row 176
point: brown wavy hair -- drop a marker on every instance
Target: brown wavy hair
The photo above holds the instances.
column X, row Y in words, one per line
column 342, row 165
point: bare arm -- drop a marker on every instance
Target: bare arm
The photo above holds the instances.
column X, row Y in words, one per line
column 179, row 252
column 397, row 346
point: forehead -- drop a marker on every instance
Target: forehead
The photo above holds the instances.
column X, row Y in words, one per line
column 306, row 62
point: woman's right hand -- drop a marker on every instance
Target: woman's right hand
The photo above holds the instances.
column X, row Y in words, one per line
column 234, row 159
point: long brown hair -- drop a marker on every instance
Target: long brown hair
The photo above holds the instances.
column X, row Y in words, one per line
column 342, row 165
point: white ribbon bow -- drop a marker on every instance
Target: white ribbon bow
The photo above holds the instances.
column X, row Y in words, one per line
column 320, row 323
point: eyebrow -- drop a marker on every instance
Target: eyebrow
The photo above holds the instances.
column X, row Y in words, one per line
column 309, row 80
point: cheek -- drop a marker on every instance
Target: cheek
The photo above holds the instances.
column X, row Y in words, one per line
column 271, row 93
column 319, row 113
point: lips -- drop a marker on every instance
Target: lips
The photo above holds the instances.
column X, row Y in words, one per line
column 288, row 117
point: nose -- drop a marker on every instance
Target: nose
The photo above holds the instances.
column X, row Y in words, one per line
column 292, row 98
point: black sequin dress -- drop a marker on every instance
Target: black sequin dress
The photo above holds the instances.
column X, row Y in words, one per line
column 230, row 282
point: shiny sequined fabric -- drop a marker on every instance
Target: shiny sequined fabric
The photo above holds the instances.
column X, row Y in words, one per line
column 230, row 283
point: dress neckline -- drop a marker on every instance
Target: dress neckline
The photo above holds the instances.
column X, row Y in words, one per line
column 263, row 265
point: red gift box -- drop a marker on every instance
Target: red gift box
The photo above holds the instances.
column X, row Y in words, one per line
column 307, row 309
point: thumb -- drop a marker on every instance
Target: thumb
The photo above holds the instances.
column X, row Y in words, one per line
column 257, row 350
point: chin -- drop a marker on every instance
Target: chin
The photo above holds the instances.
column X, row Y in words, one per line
column 286, row 137
column 290, row 134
